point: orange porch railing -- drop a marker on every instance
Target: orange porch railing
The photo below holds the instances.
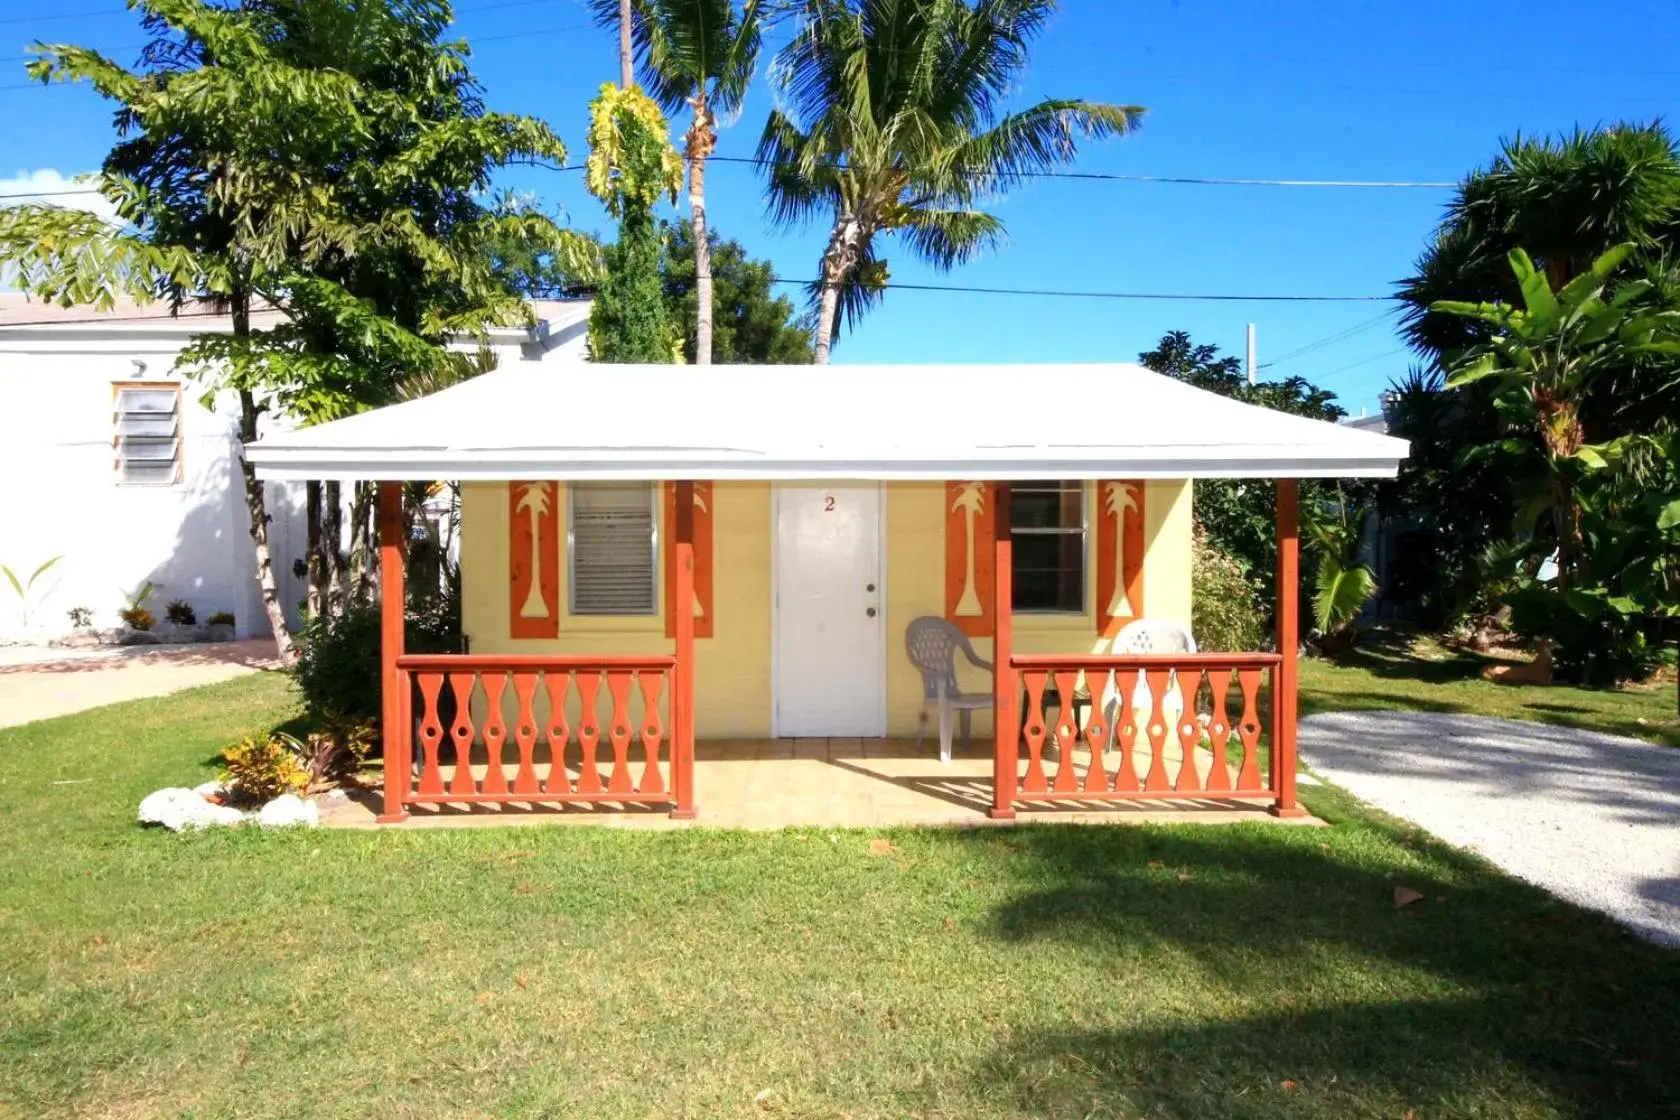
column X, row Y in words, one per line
column 1092, row 728
column 538, row 729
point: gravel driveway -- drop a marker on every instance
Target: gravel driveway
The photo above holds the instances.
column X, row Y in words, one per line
column 1593, row 818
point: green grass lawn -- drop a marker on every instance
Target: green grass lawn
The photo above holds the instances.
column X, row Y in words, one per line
column 1181, row 972
column 1393, row 671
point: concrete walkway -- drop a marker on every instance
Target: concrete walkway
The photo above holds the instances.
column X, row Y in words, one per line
column 1592, row 818
column 40, row 683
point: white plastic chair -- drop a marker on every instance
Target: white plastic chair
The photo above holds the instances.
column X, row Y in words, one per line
column 1152, row 636
column 932, row 644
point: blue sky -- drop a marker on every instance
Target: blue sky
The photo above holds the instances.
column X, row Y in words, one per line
column 1419, row 91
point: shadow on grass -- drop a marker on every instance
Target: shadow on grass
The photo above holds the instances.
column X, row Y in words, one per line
column 1484, row 994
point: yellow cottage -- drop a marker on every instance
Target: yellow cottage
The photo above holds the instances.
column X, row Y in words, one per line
column 653, row 556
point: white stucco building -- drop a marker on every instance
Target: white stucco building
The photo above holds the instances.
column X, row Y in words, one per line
column 114, row 463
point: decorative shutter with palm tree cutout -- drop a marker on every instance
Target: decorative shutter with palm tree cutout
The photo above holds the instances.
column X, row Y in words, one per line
column 614, row 565
column 969, row 557
column 533, row 560
column 1120, row 549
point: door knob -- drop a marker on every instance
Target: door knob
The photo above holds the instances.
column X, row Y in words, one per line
column 870, row 612
column 869, row 587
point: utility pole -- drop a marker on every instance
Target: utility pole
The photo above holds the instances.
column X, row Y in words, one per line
column 1252, row 368
column 626, row 72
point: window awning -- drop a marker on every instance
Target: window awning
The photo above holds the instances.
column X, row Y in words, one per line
column 1000, row 422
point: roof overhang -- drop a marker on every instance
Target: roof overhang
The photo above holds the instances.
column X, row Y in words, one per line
column 1003, row 422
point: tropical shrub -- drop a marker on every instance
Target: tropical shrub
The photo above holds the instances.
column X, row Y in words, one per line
column 135, row 616
column 1226, row 615
column 337, row 750
column 181, row 613
column 337, row 669
column 262, row 768
column 221, row 618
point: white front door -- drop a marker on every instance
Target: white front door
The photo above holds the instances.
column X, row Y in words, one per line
column 830, row 611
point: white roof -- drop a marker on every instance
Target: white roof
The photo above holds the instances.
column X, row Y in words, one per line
column 998, row 422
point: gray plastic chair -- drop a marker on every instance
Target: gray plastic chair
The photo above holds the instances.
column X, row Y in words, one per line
column 932, row 644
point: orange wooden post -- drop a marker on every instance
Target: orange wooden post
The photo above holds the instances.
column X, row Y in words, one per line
column 1006, row 745
column 682, row 692
column 394, row 729
column 1288, row 644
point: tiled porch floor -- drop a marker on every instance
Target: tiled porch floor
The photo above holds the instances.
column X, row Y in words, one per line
column 837, row 783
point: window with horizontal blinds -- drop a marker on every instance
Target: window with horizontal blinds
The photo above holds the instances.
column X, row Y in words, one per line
column 1047, row 522
column 614, row 564
column 148, row 434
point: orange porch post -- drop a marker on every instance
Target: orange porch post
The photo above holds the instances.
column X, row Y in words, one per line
column 682, row 693
column 394, row 729
column 1288, row 645
column 1005, row 691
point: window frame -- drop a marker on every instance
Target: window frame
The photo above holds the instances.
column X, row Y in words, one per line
column 1083, row 531
column 177, row 455
column 572, row 554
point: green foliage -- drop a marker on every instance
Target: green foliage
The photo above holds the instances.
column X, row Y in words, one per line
column 1442, row 510
column 631, row 167
column 263, row 767
column 80, row 617
column 335, row 752
column 1566, row 200
column 181, row 613
column 135, row 615
column 137, row 618
column 337, row 670
column 890, row 120
column 631, row 163
column 1538, row 362
column 1342, row 584
column 690, row 51
column 1240, row 515
column 1225, row 614
column 24, row 589
column 221, row 618
column 751, row 324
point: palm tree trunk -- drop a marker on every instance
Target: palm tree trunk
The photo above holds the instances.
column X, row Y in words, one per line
column 626, row 69
column 702, row 137
column 361, row 541
column 256, row 503
column 315, row 580
column 837, row 262
column 332, row 534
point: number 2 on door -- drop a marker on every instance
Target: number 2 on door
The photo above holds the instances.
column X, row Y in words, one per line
column 828, row 504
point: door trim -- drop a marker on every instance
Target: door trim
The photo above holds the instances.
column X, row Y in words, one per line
column 776, row 491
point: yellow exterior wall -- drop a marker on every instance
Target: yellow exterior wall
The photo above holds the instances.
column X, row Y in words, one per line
column 733, row 672
column 732, row 668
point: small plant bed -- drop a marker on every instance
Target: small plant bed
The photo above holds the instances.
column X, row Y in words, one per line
column 1407, row 673
column 268, row 779
column 1359, row 970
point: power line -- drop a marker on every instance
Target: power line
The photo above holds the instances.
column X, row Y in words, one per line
column 1361, row 362
column 1057, row 293
column 1181, row 179
column 1338, row 336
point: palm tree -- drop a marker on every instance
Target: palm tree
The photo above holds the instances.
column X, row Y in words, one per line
column 1119, row 498
column 894, row 124
column 533, row 502
column 698, row 54
column 971, row 499
column 1564, row 200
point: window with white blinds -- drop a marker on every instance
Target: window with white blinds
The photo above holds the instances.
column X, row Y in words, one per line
column 614, row 563
column 148, row 434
